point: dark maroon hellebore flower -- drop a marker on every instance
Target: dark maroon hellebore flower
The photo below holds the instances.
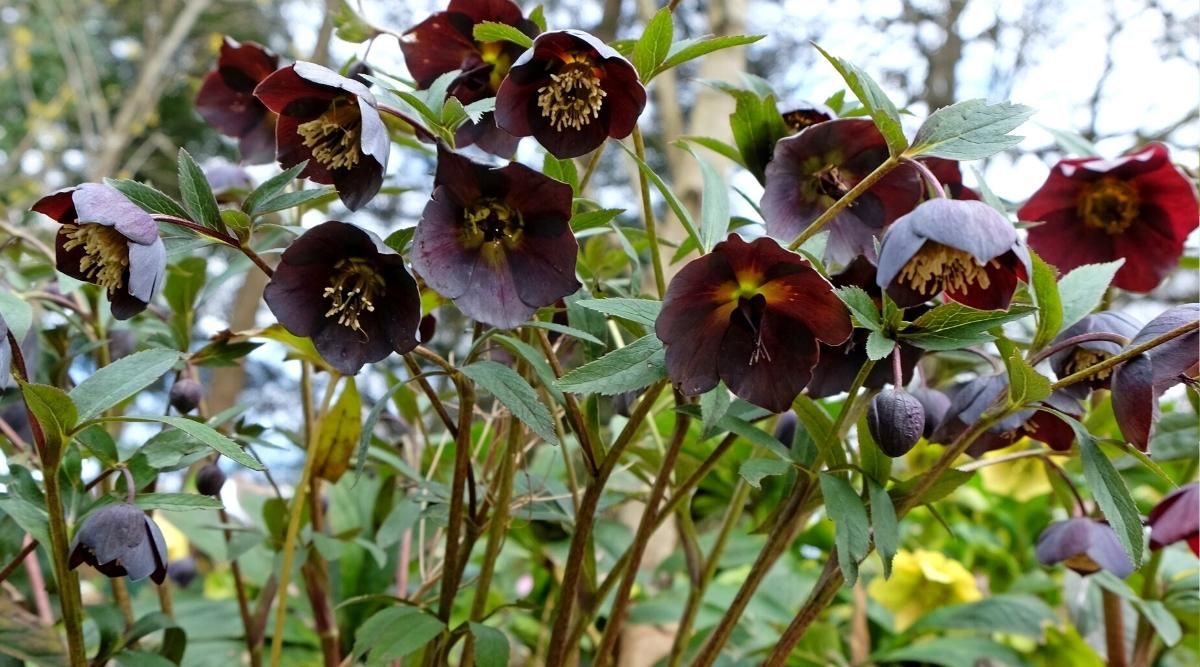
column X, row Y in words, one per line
column 1176, row 518
column 1081, row 355
column 813, row 169
column 751, row 314
column 801, row 114
column 226, row 99
column 121, row 540
column 332, row 122
column 108, row 241
column 949, row 174
column 570, row 91
column 1138, row 382
column 343, row 288
column 1084, row 545
column 445, row 42
column 1139, row 207
column 496, row 240
column 972, row 399
column 966, row 248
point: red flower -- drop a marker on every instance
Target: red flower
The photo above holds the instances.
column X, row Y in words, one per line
column 1138, row 382
column 570, row 91
column 226, row 99
column 750, row 314
column 445, row 42
column 1139, row 207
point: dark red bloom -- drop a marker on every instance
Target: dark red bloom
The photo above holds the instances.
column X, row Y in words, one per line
column 1176, row 518
column 1139, row 207
column 1081, row 355
column 445, row 42
column 343, row 288
column 801, row 114
column 108, row 241
column 1138, row 382
column 570, row 92
column 332, row 122
column 966, row 248
column 226, row 99
column 972, row 399
column 813, row 169
column 120, row 540
column 949, row 174
column 751, row 314
column 1084, row 545
column 496, row 241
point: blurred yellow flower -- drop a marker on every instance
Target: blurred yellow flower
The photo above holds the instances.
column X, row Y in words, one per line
column 177, row 542
column 1019, row 479
column 921, row 582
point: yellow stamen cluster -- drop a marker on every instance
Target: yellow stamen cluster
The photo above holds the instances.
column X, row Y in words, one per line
column 334, row 136
column 105, row 253
column 1083, row 358
column 573, row 98
column 491, row 221
column 1108, row 204
column 936, row 267
column 354, row 288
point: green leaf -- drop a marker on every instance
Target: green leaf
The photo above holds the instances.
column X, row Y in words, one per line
column 1165, row 624
column 29, row 517
column 876, row 102
column 1083, row 289
column 538, row 16
column 295, row 199
column 206, row 434
column 757, row 126
column 845, row 508
column 491, row 646
column 17, row 315
column 1025, row 385
column 1050, row 306
column 53, row 410
column 634, row 366
column 536, row 361
column 944, row 486
column 951, row 652
column 349, row 26
column 147, row 197
column 690, row 49
column 1109, row 491
column 879, row 346
column 819, row 427
column 564, row 330
column 641, row 311
column 652, row 48
column 715, row 145
column 861, row 305
column 198, row 198
column 490, row 31
column 593, row 219
column 713, row 406
column 402, row 517
column 681, row 212
column 561, row 170
column 1005, row 612
column 121, row 379
column 515, row 393
column 753, row 435
column 953, row 326
column 714, row 206
column 394, row 633
column 970, row 130
column 176, row 502
column 269, row 188
column 399, row 239
column 884, row 525
column 754, row 470
column 1072, row 143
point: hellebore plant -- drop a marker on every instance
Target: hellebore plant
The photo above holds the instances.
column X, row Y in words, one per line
column 226, row 99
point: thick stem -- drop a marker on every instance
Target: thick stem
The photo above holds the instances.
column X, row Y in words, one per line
column 639, row 149
column 846, row 199
column 1114, row 629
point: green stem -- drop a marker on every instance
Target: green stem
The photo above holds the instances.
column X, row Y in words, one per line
column 590, row 169
column 639, row 149
column 846, row 199
column 1125, row 354
column 68, row 584
column 1144, row 642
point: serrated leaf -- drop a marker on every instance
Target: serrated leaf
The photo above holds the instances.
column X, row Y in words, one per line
column 402, row 517
column 536, row 361
column 564, row 330
column 1050, row 306
column 1083, row 289
column 632, row 367
column 970, row 130
column 490, row 31
column 651, row 49
column 176, row 502
column 561, row 170
column 538, row 16
column 879, row 346
column 349, row 26
column 944, row 486
column 338, row 431
column 641, row 311
column 690, row 49
column 1109, row 491
column 198, row 197
column 755, row 470
column 845, row 509
column 714, row 205
column 207, row 436
column 884, row 525
column 515, row 393
column 491, row 646
column 952, row 326
column 269, row 188
column 148, row 198
column 861, row 305
column 874, row 100
column 121, row 379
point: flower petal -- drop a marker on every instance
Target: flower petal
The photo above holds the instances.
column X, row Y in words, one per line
column 1134, row 400
column 769, row 382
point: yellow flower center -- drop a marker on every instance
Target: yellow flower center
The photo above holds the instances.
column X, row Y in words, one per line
column 334, row 135
column 936, row 267
column 573, row 97
column 353, row 289
column 493, row 53
column 489, row 221
column 1083, row 358
column 1108, row 204
column 105, row 253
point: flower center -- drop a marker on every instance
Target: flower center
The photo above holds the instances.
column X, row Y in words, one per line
column 573, row 97
column 334, row 135
column 491, row 221
column 750, row 307
column 1083, row 358
column 936, row 267
column 354, row 288
column 105, row 253
column 1108, row 204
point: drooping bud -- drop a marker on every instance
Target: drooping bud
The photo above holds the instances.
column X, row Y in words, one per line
column 210, row 479
column 896, row 420
column 120, row 540
column 785, row 428
column 186, row 394
column 182, row 571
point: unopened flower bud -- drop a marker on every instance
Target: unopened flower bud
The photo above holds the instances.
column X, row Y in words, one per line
column 186, row 394
column 182, row 571
column 785, row 428
column 896, row 420
column 210, row 479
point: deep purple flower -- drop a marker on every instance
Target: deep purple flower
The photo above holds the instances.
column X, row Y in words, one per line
column 121, row 540
column 185, row 395
column 802, row 113
column 570, row 91
column 1081, row 355
column 1084, row 545
column 342, row 287
column 936, row 405
column 332, row 122
column 226, row 99
column 972, row 399
column 750, row 314
column 1138, row 382
column 1176, row 518
column 210, row 479
column 445, row 42
column 965, row 248
column 108, row 241
column 230, row 182
column 1139, row 207
column 496, row 240
column 813, row 169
